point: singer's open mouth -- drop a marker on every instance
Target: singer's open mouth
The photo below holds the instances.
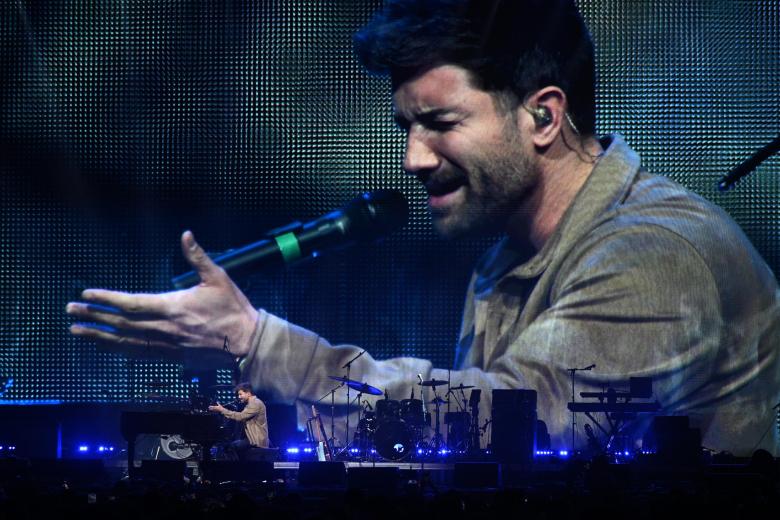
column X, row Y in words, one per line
column 438, row 188
column 445, row 193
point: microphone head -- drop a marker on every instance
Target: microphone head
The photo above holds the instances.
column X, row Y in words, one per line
column 376, row 214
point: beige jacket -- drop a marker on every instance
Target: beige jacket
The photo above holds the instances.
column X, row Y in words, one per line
column 641, row 277
column 255, row 421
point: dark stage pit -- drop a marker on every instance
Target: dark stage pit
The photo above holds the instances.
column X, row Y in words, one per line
column 553, row 489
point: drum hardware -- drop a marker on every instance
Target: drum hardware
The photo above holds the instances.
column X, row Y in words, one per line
column 332, row 394
column 474, row 398
column 432, row 383
column 396, row 429
column 437, row 442
column 361, row 387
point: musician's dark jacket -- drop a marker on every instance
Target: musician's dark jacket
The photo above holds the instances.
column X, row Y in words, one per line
column 255, row 422
column 641, row 277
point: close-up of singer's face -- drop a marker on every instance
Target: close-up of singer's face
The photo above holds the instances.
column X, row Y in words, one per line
column 465, row 149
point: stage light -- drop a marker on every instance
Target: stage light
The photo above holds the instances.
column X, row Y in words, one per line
column 307, row 450
column 543, row 453
column 83, row 449
column 563, row 453
column 293, row 450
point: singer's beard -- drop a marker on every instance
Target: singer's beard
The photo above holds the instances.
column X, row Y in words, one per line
column 499, row 179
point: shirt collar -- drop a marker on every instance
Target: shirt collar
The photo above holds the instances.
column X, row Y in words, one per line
column 606, row 187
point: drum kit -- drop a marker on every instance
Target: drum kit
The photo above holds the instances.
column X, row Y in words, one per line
column 396, row 430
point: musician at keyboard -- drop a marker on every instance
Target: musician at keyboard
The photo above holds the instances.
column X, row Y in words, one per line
column 255, row 432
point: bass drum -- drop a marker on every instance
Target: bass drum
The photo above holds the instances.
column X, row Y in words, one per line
column 394, row 440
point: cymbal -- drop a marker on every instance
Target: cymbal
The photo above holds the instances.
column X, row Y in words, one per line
column 432, row 382
column 363, row 388
column 462, row 387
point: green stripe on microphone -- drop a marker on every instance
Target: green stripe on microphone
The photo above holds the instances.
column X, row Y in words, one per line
column 288, row 246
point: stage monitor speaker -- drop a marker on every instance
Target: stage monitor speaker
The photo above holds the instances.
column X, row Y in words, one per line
column 257, row 454
column 379, row 479
column 76, row 472
column 238, row 471
column 674, row 441
column 513, row 431
column 476, row 475
column 161, row 470
column 322, row 474
column 12, row 469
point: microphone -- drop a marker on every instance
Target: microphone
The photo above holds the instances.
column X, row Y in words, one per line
column 366, row 218
column 589, row 367
column 750, row 164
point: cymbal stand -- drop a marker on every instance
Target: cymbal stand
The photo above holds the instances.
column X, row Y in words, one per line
column 348, row 366
column 474, row 443
column 438, row 439
column 349, row 443
column 449, row 391
column 332, row 393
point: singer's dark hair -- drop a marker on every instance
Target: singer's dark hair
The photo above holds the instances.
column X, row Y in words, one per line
column 512, row 47
column 246, row 387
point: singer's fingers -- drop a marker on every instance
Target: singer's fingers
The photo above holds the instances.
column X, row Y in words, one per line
column 127, row 302
column 115, row 319
column 207, row 270
column 109, row 335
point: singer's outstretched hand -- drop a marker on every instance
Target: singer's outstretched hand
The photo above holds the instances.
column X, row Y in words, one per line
column 201, row 316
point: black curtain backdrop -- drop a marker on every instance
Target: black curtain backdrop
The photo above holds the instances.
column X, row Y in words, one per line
column 123, row 123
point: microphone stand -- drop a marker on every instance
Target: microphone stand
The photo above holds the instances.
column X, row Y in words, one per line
column 348, row 366
column 332, row 393
column 572, row 371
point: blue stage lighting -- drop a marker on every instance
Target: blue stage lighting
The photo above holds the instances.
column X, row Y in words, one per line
column 563, row 453
column 83, row 448
column 293, row 450
column 307, row 450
